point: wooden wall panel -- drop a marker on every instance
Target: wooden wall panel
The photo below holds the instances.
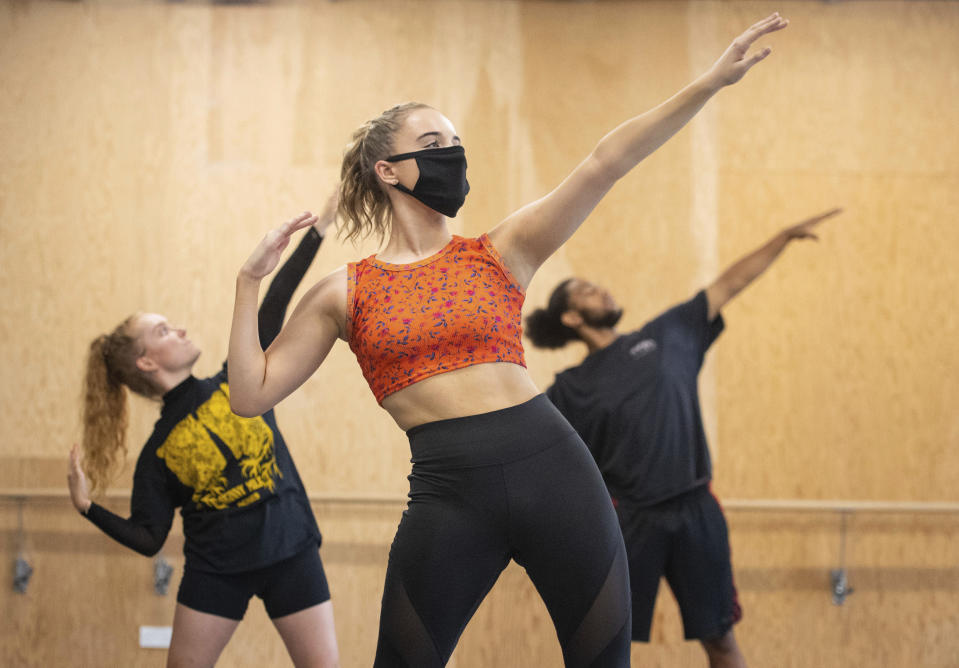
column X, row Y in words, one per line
column 147, row 146
column 857, row 362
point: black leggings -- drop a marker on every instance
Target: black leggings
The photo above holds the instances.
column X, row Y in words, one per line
column 517, row 483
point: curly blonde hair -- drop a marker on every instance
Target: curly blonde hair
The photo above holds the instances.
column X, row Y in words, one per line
column 364, row 206
column 111, row 367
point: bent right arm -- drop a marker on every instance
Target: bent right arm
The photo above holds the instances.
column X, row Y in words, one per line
column 147, row 539
column 260, row 379
column 146, row 529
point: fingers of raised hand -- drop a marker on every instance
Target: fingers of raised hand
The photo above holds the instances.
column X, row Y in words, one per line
column 800, row 232
column 756, row 57
column 829, row 214
column 305, row 219
column 277, row 240
column 771, row 23
column 742, row 43
column 815, row 220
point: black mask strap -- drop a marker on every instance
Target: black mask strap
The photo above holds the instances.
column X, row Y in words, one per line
column 439, row 152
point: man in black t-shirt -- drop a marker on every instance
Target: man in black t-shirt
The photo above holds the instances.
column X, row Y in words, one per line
column 635, row 402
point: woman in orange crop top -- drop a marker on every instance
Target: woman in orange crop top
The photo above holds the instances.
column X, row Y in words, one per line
column 434, row 320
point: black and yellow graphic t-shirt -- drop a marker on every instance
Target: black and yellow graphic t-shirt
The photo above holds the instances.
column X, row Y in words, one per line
column 241, row 498
column 228, row 461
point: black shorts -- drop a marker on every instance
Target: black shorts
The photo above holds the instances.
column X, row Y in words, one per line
column 685, row 540
column 286, row 587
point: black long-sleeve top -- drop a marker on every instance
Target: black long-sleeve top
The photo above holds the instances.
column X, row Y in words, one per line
column 241, row 498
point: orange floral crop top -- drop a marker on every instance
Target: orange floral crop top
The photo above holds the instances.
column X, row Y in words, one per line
column 454, row 309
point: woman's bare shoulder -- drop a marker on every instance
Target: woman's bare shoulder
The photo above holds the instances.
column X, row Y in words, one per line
column 327, row 298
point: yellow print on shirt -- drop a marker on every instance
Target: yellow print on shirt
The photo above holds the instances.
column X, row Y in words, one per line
column 193, row 456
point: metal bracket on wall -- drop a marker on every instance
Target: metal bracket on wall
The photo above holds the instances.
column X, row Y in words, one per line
column 21, row 575
column 22, row 570
column 838, row 577
column 162, row 572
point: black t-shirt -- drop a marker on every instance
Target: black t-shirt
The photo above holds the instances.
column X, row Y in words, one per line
column 636, row 405
column 241, row 497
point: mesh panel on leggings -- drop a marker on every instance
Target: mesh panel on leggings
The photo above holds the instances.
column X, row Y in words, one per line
column 404, row 641
column 602, row 638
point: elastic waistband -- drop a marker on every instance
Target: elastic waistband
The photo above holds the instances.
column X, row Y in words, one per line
column 497, row 437
column 678, row 498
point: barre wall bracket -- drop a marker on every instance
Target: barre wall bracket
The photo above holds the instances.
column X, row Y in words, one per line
column 162, row 572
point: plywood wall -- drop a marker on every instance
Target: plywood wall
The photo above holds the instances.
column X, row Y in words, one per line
column 145, row 147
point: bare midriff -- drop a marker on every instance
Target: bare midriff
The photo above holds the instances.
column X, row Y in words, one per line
column 472, row 390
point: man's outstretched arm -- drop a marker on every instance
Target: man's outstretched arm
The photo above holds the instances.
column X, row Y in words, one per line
column 747, row 269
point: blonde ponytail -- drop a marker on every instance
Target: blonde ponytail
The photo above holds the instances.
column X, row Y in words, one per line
column 364, row 207
column 111, row 365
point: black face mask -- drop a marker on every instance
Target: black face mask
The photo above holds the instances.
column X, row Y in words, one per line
column 442, row 185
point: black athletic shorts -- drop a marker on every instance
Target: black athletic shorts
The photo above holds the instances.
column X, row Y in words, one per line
column 685, row 540
column 286, row 587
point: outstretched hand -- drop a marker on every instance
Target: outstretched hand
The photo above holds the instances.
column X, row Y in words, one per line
column 804, row 229
column 734, row 63
column 77, row 481
column 266, row 255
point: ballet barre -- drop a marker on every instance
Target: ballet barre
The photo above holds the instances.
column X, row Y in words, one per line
column 769, row 505
column 840, row 587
